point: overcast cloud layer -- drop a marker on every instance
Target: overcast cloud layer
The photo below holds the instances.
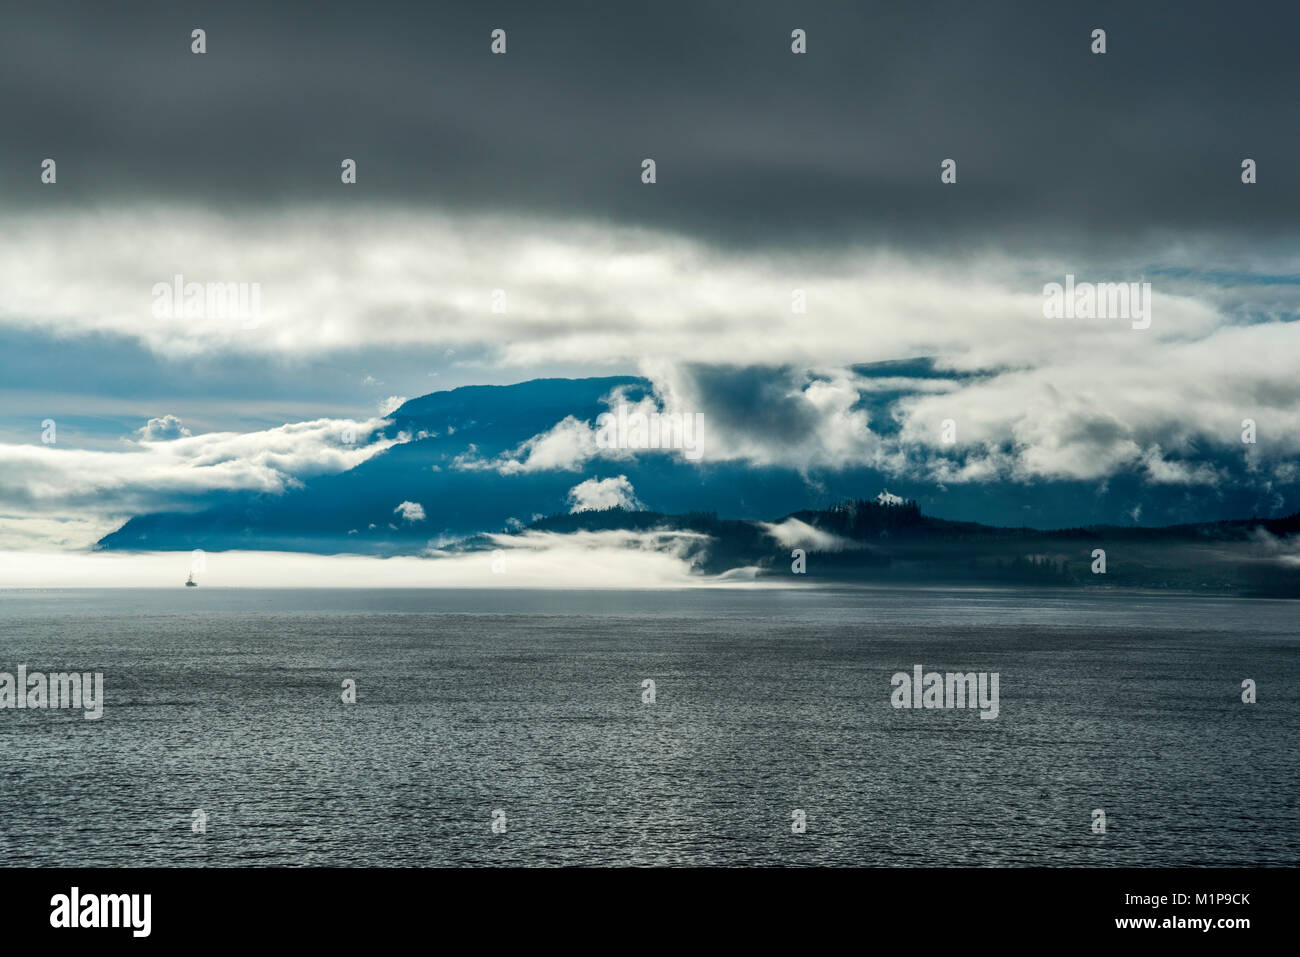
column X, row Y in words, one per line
column 754, row 144
column 514, row 181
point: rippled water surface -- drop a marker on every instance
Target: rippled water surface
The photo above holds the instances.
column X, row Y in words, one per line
column 766, row 702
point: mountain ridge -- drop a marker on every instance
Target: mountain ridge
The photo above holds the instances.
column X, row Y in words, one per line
column 897, row 543
column 450, row 445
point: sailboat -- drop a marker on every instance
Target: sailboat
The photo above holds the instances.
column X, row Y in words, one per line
column 190, row 582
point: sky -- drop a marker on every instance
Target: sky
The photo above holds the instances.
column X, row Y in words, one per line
column 515, row 181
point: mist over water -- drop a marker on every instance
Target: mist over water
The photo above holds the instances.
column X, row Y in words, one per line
column 766, row 702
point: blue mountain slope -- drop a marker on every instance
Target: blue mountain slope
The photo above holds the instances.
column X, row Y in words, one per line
column 496, row 418
column 335, row 513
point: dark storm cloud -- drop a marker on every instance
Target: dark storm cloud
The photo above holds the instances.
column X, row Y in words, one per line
column 753, row 143
column 760, row 399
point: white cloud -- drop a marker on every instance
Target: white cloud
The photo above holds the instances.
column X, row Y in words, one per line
column 410, row 511
column 93, row 490
column 836, row 435
column 793, row 533
column 1080, row 422
column 603, row 493
column 615, row 559
column 567, row 446
column 163, row 429
column 583, row 292
column 1283, row 551
column 1076, row 399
